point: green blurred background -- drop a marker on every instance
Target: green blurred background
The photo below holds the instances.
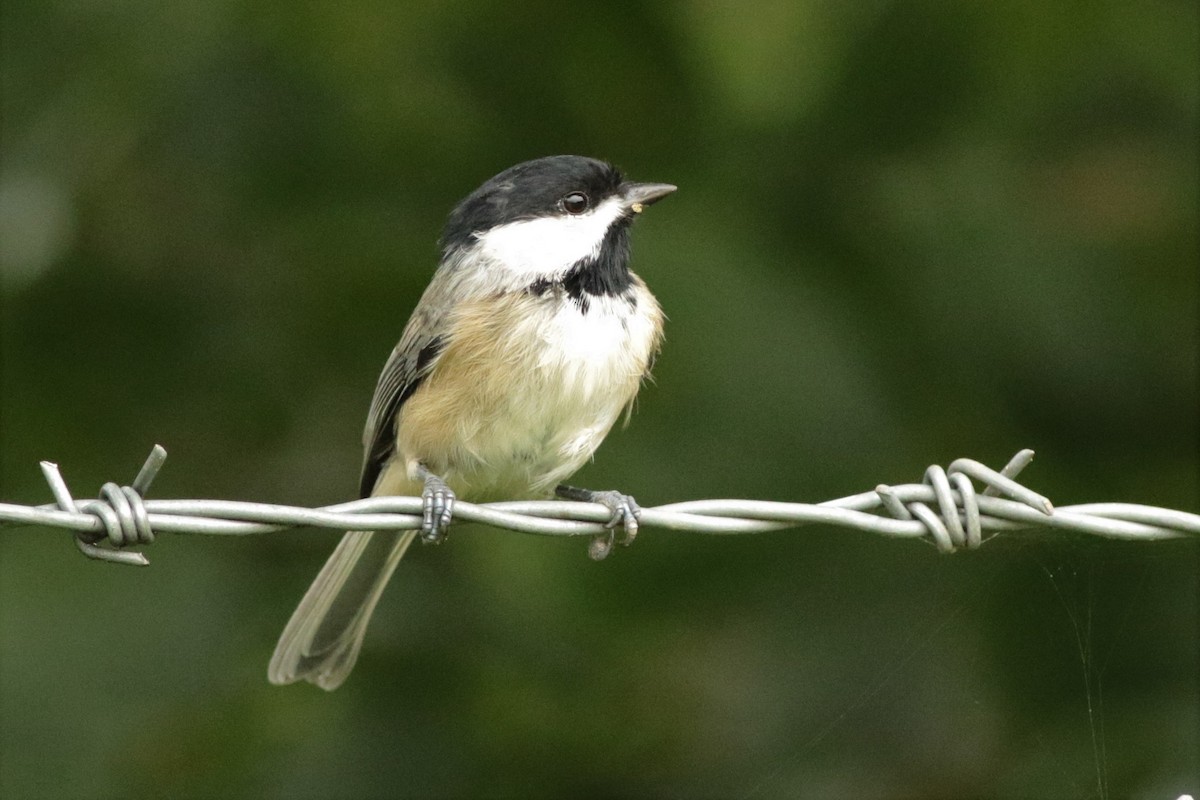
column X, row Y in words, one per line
column 905, row 232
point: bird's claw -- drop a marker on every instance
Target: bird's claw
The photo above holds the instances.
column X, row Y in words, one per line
column 623, row 509
column 437, row 509
column 625, row 512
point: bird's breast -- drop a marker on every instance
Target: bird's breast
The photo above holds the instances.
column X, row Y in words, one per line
column 528, row 386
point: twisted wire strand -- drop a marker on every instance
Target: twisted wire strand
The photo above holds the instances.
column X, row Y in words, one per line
column 945, row 509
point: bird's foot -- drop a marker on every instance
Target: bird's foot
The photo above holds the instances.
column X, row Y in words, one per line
column 437, row 508
column 625, row 512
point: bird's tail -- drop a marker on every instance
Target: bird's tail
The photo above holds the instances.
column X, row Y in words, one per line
column 323, row 637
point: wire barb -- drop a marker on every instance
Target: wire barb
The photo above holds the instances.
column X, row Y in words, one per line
column 947, row 530
column 120, row 510
column 944, row 509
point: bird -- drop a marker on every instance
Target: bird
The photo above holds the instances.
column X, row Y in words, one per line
column 529, row 343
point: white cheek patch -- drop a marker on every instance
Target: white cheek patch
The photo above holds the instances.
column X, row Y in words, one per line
column 549, row 245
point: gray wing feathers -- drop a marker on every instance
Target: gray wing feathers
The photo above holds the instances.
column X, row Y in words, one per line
column 420, row 345
column 410, row 361
column 323, row 637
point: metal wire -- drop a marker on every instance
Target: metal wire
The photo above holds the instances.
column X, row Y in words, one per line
column 944, row 509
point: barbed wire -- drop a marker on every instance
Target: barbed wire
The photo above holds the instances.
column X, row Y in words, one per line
column 945, row 509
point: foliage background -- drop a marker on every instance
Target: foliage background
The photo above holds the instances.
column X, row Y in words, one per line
column 905, row 232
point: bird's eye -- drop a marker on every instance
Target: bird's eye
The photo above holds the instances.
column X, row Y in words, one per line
column 575, row 203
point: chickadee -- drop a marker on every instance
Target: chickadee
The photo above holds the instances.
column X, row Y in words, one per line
column 527, row 345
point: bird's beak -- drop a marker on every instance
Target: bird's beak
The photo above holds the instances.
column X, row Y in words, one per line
column 639, row 195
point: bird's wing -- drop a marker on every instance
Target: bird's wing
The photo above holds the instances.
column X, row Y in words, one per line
column 424, row 338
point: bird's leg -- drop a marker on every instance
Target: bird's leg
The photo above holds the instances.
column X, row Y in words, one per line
column 625, row 512
column 437, row 506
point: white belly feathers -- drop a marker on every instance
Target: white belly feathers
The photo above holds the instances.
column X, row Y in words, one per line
column 538, row 381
